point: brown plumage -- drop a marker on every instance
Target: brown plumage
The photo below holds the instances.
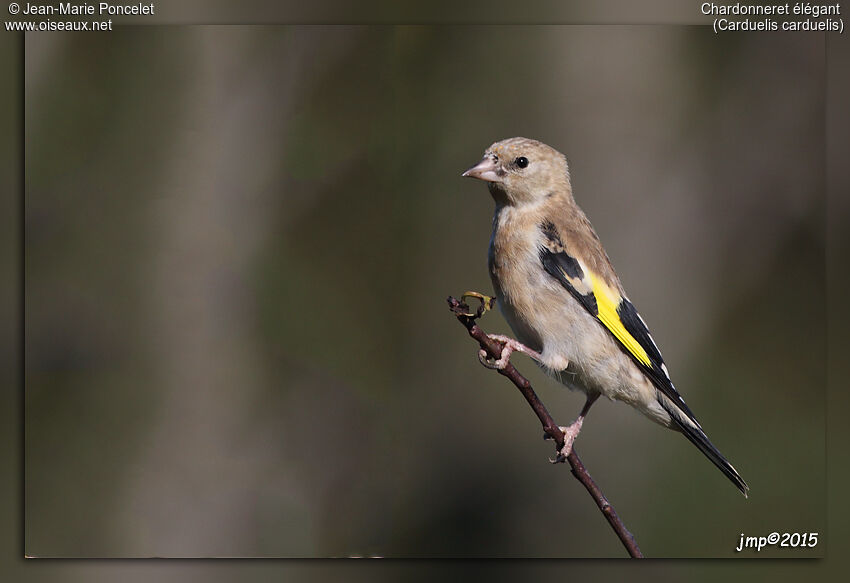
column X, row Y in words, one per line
column 557, row 289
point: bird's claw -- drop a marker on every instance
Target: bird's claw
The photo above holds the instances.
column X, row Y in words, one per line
column 489, row 362
column 562, row 454
column 487, row 303
column 570, row 434
column 509, row 345
column 495, row 364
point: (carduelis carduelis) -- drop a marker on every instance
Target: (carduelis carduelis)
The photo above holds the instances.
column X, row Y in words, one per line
column 558, row 291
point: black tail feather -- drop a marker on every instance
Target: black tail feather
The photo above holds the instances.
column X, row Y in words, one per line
column 697, row 436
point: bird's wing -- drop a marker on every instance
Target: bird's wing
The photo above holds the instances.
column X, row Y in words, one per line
column 612, row 310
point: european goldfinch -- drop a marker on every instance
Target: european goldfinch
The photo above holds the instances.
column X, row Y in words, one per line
column 557, row 289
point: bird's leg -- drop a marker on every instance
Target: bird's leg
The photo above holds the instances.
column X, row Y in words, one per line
column 509, row 346
column 571, row 432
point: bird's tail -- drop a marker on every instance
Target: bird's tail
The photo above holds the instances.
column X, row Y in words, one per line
column 697, row 436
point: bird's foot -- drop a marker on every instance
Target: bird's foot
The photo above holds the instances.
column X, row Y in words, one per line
column 487, row 303
column 570, row 434
column 509, row 346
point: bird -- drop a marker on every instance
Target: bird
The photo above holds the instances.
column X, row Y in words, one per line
column 557, row 289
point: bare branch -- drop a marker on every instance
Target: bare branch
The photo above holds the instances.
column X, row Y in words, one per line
column 494, row 349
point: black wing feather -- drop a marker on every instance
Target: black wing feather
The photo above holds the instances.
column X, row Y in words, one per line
column 554, row 262
column 635, row 326
column 562, row 266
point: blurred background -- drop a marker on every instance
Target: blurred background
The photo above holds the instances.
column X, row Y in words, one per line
column 238, row 246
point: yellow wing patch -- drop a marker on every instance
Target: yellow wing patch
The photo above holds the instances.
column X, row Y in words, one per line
column 607, row 301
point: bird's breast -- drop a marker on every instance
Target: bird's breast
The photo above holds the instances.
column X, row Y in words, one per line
column 516, row 272
column 541, row 312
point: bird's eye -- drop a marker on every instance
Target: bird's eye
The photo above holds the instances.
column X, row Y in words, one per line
column 522, row 161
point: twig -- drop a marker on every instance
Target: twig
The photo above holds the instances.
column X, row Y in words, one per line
column 494, row 349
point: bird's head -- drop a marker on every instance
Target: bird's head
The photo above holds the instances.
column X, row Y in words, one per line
column 521, row 171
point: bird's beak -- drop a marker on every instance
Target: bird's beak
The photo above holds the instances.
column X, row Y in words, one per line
column 485, row 170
